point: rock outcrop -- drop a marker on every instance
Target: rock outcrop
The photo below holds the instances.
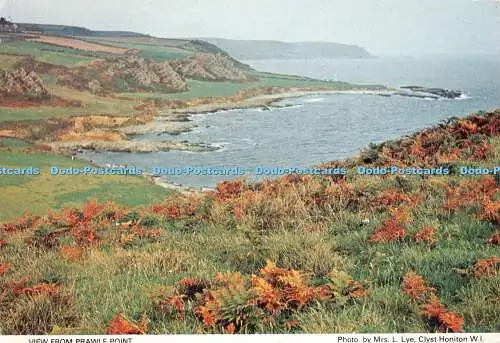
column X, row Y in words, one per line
column 211, row 67
column 145, row 74
column 418, row 91
column 131, row 73
column 124, row 74
column 22, row 85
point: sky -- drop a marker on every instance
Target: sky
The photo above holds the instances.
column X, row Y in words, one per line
column 384, row 27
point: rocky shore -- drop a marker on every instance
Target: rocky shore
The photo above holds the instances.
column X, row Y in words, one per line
column 266, row 101
column 161, row 125
column 128, row 146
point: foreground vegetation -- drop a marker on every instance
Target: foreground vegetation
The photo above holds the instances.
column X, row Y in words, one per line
column 296, row 254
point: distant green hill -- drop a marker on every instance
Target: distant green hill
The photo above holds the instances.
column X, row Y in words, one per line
column 261, row 50
column 192, row 45
column 64, row 30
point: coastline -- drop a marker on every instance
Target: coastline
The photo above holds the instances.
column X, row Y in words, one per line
column 267, row 100
column 177, row 121
column 116, row 138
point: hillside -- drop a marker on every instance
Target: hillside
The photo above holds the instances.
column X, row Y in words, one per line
column 122, row 37
column 298, row 254
column 262, row 50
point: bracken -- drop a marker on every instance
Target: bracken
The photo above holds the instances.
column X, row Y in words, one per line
column 123, row 326
column 70, row 253
column 487, row 267
column 415, row 286
column 426, row 234
column 494, row 239
column 392, row 229
column 4, row 268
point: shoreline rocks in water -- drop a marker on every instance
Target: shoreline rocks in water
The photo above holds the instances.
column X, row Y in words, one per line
column 425, row 92
column 130, row 146
column 158, row 126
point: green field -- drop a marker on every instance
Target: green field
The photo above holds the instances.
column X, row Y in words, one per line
column 45, row 53
column 226, row 88
column 91, row 104
column 154, row 52
column 37, row 194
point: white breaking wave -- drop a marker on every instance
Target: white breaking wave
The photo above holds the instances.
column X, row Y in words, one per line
column 315, row 100
column 464, row 96
column 289, row 107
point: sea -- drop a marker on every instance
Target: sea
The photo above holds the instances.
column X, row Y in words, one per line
column 319, row 128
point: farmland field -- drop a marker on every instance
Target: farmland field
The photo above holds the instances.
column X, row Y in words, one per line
column 79, row 44
column 45, row 53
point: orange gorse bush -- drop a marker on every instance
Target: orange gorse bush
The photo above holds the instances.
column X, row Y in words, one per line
column 445, row 321
column 433, row 309
column 229, row 189
column 450, row 321
column 388, row 198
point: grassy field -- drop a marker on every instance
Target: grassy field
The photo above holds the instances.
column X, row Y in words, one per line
column 156, row 53
column 299, row 254
column 37, row 194
column 91, row 104
column 46, row 53
column 152, row 51
column 207, row 89
column 7, row 62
